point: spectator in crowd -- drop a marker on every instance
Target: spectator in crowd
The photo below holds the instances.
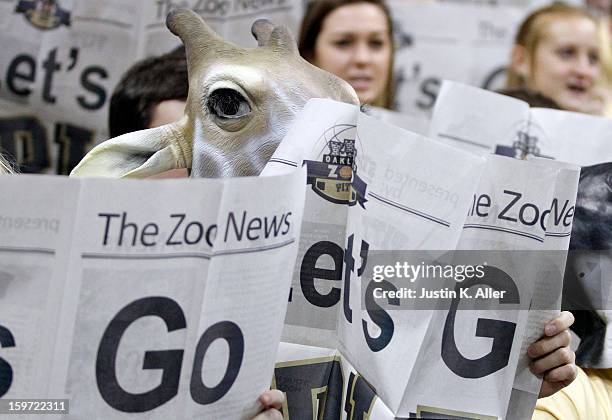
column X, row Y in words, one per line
column 153, row 92
column 556, row 53
column 352, row 39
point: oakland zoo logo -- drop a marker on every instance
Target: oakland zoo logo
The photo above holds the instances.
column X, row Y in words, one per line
column 335, row 177
column 527, row 137
column 43, row 14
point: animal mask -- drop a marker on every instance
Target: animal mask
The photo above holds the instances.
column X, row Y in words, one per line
column 240, row 105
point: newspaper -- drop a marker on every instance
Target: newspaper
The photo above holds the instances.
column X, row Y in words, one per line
column 32, row 251
column 485, row 122
column 549, row 134
column 541, row 271
column 231, row 19
column 470, row 43
column 139, row 296
column 547, row 293
column 427, row 214
column 374, row 193
column 418, row 124
column 503, row 179
column 405, row 192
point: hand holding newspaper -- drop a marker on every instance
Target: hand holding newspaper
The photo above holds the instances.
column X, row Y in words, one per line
column 166, row 298
column 408, row 193
column 484, row 122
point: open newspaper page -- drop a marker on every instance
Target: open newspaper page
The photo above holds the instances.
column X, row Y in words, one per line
column 470, row 43
column 578, row 139
column 546, row 300
column 521, row 138
column 476, row 120
column 134, row 284
column 323, row 139
column 570, row 136
column 487, row 122
column 231, row 19
column 418, row 193
column 248, row 285
column 60, row 63
column 33, row 262
column 173, row 299
column 468, row 362
column 317, row 379
column 407, row 196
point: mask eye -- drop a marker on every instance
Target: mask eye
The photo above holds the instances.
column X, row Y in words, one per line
column 228, row 104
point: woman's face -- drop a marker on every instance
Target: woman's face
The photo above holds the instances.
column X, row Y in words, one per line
column 566, row 65
column 354, row 44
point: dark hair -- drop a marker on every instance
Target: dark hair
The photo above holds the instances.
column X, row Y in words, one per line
column 312, row 22
column 143, row 86
column 534, row 99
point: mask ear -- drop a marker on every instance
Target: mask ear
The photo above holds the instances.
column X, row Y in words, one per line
column 139, row 154
column 520, row 61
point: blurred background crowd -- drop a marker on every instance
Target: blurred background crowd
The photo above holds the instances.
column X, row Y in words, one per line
column 72, row 72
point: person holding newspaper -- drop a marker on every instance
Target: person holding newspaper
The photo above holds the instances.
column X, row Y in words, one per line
column 556, row 53
column 363, row 56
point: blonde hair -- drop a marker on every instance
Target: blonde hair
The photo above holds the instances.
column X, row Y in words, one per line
column 532, row 31
column 605, row 58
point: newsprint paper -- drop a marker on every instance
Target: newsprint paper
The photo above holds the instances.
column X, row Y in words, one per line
column 390, row 359
column 164, row 298
column 484, row 122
